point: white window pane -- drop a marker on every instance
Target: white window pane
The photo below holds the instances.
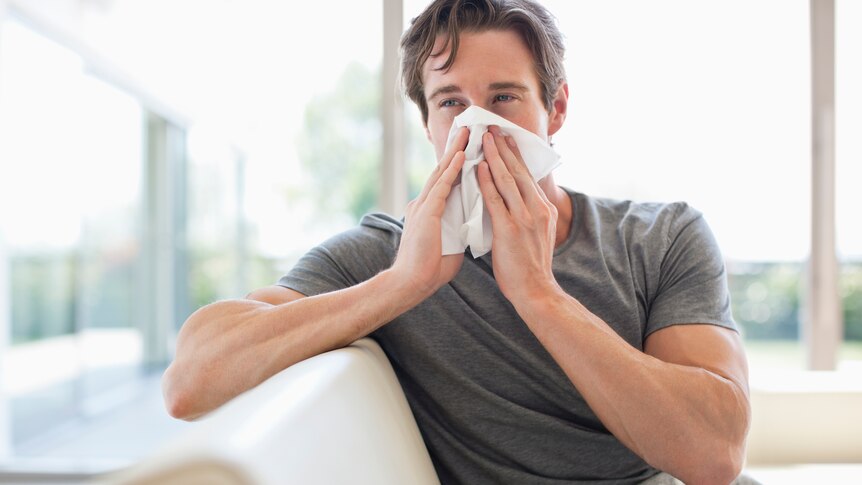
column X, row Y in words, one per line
column 706, row 102
column 259, row 75
column 700, row 101
column 70, row 212
column 313, row 160
column 848, row 119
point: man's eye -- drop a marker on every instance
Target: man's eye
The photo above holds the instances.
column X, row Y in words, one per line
column 448, row 103
column 503, row 97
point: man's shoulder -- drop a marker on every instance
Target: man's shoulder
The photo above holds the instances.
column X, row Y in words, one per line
column 375, row 231
column 347, row 258
column 379, row 221
column 631, row 215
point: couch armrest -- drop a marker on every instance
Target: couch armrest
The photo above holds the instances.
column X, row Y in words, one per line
column 339, row 417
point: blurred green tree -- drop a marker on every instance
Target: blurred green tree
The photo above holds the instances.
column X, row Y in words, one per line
column 851, row 298
column 766, row 299
column 340, row 144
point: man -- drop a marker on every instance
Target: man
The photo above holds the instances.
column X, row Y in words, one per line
column 594, row 343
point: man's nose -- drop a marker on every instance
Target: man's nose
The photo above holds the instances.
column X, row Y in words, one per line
column 485, row 106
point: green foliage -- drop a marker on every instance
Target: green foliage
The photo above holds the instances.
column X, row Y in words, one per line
column 340, row 146
column 851, row 298
column 53, row 293
column 46, row 294
column 765, row 299
column 42, row 300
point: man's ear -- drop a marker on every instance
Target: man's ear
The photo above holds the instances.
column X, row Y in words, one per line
column 558, row 109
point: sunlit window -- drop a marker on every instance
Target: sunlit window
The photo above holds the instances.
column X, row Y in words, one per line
column 110, row 243
column 710, row 103
column 679, row 100
column 310, row 145
column 848, row 122
column 70, row 213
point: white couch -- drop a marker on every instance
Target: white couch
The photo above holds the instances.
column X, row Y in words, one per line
column 339, row 417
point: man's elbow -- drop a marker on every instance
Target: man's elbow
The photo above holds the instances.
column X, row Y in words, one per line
column 722, row 461
column 179, row 398
column 720, row 468
column 725, row 471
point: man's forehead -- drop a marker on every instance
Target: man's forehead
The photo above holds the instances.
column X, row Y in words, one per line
column 438, row 57
column 496, row 42
column 503, row 39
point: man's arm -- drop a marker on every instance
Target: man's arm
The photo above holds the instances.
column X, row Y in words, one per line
column 228, row 347
column 682, row 406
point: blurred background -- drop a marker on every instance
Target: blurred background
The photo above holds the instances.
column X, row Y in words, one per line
column 158, row 155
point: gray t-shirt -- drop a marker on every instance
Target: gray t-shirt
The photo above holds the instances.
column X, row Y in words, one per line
column 491, row 403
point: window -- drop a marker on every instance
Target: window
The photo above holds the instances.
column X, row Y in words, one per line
column 666, row 104
column 848, row 114
column 118, row 216
column 710, row 103
column 215, row 220
column 70, row 214
column 306, row 148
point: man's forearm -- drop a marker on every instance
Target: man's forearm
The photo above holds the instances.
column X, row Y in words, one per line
column 231, row 346
column 228, row 347
column 681, row 419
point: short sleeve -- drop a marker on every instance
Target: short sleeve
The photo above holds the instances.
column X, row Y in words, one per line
column 346, row 259
column 692, row 286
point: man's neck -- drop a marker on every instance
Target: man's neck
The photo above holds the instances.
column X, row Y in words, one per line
column 563, row 202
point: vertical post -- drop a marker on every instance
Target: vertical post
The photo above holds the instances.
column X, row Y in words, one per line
column 243, row 259
column 823, row 323
column 177, row 178
column 159, row 261
column 393, row 198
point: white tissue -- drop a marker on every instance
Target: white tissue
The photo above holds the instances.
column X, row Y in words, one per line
column 465, row 220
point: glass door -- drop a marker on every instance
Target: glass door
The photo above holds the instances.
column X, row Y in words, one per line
column 71, row 218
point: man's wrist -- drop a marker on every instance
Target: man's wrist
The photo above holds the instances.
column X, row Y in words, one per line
column 401, row 290
column 539, row 302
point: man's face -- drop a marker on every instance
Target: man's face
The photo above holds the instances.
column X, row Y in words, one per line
column 493, row 70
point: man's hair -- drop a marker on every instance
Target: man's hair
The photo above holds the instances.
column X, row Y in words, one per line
column 535, row 25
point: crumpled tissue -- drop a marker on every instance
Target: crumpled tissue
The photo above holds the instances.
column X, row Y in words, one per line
column 465, row 221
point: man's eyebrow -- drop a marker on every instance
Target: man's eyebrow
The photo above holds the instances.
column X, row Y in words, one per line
column 498, row 86
column 507, row 85
column 448, row 89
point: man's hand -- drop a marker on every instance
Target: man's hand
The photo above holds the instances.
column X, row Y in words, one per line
column 420, row 262
column 523, row 220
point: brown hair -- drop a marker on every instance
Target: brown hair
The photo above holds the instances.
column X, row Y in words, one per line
column 451, row 17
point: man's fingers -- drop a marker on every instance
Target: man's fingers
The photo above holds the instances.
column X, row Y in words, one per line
column 493, row 200
column 440, row 191
column 459, row 143
column 511, row 156
column 505, row 183
column 542, row 193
